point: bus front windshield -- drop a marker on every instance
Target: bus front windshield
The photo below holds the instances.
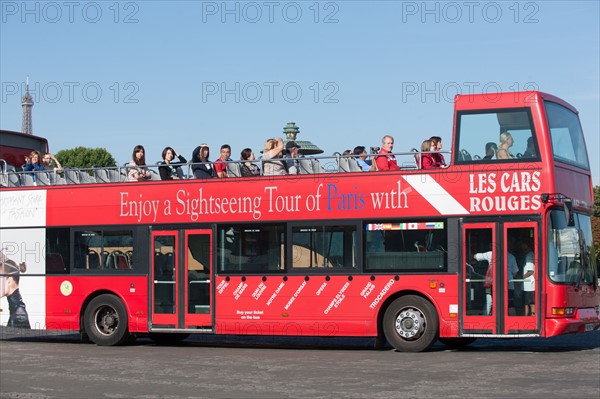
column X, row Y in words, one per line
column 570, row 249
column 568, row 144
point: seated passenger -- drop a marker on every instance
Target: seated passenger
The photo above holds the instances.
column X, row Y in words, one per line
column 169, row 170
column 248, row 167
column 221, row 164
column 362, row 159
column 530, row 151
column 291, row 158
column 201, row 166
column 273, row 163
column 490, row 150
column 47, row 161
column 33, row 163
column 436, row 145
column 506, row 141
column 136, row 168
column 427, row 160
column 385, row 160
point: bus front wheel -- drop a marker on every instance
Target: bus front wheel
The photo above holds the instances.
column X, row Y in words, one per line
column 105, row 321
column 411, row 324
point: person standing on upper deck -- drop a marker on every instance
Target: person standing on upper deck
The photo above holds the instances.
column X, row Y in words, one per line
column 386, row 160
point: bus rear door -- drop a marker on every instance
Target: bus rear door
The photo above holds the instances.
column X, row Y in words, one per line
column 182, row 280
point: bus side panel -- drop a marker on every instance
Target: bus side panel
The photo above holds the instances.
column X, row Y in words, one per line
column 67, row 294
column 340, row 306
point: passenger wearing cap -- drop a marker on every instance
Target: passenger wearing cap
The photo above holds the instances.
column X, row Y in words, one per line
column 201, row 166
column 291, row 161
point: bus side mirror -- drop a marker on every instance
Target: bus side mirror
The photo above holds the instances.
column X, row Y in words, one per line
column 568, row 205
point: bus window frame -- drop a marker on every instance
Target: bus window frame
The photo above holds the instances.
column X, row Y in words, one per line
column 581, row 136
column 359, row 265
column 138, row 262
column 457, row 148
column 450, row 226
column 554, row 219
column 217, row 258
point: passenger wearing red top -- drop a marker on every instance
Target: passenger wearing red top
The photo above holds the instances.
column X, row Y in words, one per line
column 386, row 160
column 427, row 159
column 220, row 165
column 438, row 157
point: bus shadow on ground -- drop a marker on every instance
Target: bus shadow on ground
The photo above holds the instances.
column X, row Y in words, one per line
column 564, row 343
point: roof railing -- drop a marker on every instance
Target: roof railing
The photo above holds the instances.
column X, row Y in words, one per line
column 336, row 163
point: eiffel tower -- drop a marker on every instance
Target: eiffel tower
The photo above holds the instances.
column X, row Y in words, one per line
column 27, row 104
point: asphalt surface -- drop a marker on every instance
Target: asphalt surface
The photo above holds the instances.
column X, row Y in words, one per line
column 40, row 365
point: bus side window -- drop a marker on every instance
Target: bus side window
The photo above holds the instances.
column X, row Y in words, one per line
column 57, row 250
column 251, row 248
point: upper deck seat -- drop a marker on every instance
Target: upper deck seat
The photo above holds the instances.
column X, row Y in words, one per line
column 233, row 169
column 27, row 180
column 86, row 178
column 101, row 175
column 354, row 167
column 72, row 176
column 42, row 179
column 417, row 157
column 343, row 165
column 316, row 166
column 13, row 179
column 306, row 166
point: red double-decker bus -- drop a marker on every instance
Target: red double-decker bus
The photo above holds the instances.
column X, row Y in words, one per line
column 498, row 244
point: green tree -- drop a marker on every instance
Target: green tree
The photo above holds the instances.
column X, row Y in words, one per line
column 597, row 201
column 596, row 225
column 84, row 157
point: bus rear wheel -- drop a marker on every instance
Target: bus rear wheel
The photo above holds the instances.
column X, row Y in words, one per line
column 411, row 324
column 105, row 321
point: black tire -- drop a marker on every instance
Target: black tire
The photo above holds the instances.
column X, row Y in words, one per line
column 457, row 342
column 84, row 337
column 105, row 321
column 411, row 324
column 167, row 338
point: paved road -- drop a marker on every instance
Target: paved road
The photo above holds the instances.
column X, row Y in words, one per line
column 55, row 365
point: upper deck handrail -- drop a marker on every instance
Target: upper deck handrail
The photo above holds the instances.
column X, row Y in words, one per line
column 323, row 164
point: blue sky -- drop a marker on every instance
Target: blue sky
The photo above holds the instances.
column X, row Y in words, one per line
column 117, row 74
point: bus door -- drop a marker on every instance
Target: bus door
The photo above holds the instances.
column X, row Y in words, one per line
column 521, row 273
column 181, row 279
column 498, row 257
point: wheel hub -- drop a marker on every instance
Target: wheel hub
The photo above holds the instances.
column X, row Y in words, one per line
column 107, row 321
column 410, row 323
